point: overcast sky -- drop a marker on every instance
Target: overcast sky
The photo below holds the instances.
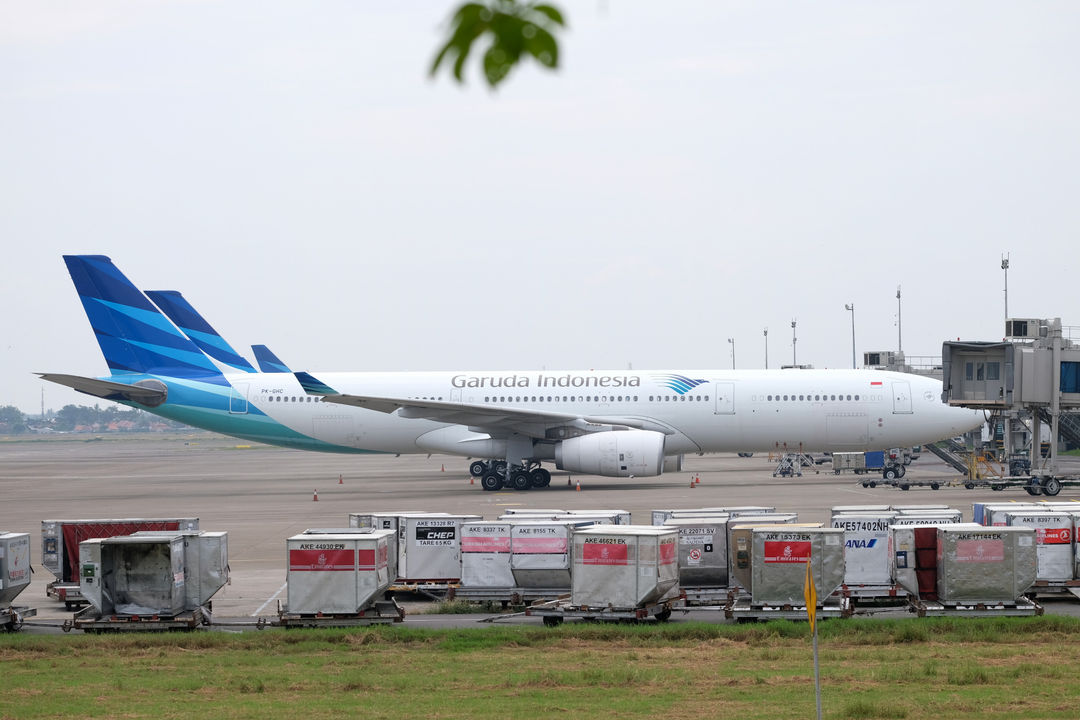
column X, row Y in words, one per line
column 695, row 171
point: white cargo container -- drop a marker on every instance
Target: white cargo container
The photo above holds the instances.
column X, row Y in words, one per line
column 984, row 565
column 623, row 566
column 859, row 509
column 703, row 557
column 341, row 574
column 540, row 553
column 993, row 514
column 866, row 547
column 1054, row 542
column 485, row 555
column 741, row 548
column 930, row 517
column 134, row 575
column 14, row 565
column 780, row 555
column 429, row 547
column 659, row 517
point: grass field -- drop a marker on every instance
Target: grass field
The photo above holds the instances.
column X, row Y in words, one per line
column 932, row 668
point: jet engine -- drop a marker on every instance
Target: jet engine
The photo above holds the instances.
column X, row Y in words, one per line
column 621, row 453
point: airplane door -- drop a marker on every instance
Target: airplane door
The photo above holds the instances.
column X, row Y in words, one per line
column 725, row 398
column 238, row 402
column 901, row 393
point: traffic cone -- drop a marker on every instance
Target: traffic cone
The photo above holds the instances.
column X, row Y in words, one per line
column 697, row 479
column 340, row 480
column 578, row 488
column 472, row 480
column 316, row 497
column 691, row 483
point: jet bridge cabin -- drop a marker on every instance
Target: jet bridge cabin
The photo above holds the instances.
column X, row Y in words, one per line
column 1004, row 375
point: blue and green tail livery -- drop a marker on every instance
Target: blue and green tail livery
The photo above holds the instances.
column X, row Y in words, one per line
column 134, row 336
column 198, row 330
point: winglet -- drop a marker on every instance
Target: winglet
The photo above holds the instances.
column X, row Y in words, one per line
column 313, row 386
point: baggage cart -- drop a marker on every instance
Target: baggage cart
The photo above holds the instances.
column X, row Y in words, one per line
column 556, row 611
column 381, row 612
column 89, row 620
column 1021, row 607
column 740, row 608
column 11, row 617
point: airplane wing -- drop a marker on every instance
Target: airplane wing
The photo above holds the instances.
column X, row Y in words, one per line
column 498, row 421
column 108, row 390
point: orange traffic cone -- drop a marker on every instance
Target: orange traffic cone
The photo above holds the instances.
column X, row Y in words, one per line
column 691, row 483
column 578, row 488
column 340, row 480
column 697, row 479
column 472, row 480
column 316, row 497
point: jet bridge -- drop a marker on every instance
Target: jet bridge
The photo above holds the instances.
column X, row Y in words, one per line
column 1032, row 378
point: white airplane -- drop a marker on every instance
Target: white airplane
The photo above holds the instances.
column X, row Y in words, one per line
column 611, row 423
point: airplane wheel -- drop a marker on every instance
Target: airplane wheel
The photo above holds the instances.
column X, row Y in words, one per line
column 901, row 471
column 491, row 481
column 540, row 478
column 478, row 468
column 1051, row 486
column 499, row 466
column 520, row 480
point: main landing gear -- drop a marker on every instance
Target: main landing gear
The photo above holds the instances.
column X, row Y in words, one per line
column 495, row 475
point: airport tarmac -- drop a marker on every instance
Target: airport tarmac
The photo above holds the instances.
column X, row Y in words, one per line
column 262, row 495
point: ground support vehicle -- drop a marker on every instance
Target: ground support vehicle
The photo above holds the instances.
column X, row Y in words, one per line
column 555, row 611
column 384, row 612
column 11, row 617
column 890, row 464
column 88, row 620
column 1022, row 607
column 906, row 484
column 68, row 593
column 740, row 609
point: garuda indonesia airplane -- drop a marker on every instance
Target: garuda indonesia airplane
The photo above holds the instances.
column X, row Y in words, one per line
column 612, row 423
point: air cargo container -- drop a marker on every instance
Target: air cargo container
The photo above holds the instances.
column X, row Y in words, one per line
column 429, row 547
column 866, row 549
column 341, row 574
column 779, row 554
column 623, row 566
column 703, row 557
column 485, row 555
column 14, row 578
column 540, row 553
column 1054, row 542
column 60, row 546
column 993, row 514
column 929, row 517
column 659, row 517
column 206, row 563
column 986, row 565
column 127, row 575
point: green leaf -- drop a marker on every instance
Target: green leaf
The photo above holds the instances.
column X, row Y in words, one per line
column 551, row 12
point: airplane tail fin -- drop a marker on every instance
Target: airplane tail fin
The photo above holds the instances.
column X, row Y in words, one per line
column 268, row 361
column 133, row 334
column 200, row 332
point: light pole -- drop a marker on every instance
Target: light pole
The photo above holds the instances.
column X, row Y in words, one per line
column 899, row 324
column 732, row 341
column 1005, row 267
column 851, row 307
column 766, row 348
column 793, row 341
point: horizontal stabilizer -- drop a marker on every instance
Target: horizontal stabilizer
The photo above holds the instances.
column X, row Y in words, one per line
column 150, row 396
column 313, row 386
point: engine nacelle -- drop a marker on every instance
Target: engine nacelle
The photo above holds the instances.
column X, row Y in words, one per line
column 620, row 453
